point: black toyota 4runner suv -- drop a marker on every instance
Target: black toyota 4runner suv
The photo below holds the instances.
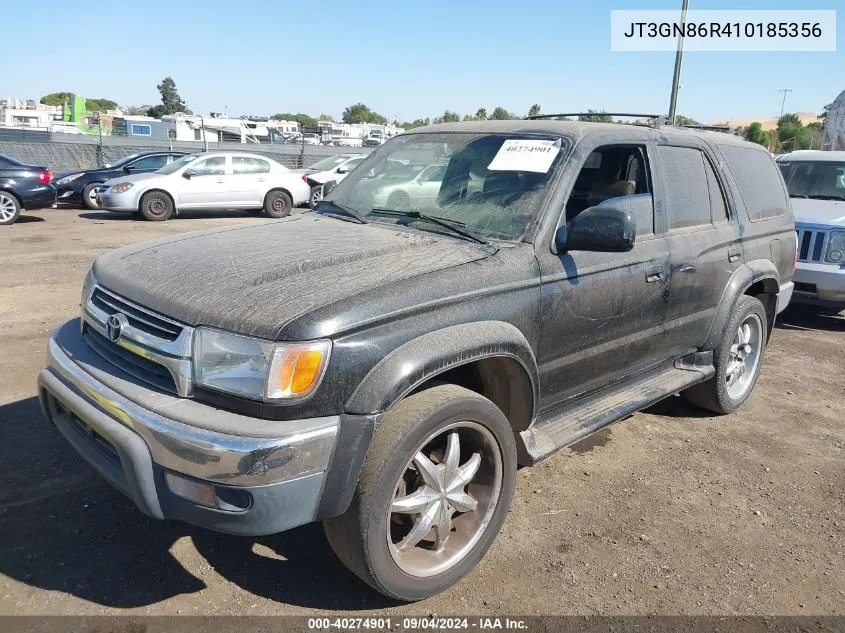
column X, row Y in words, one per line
column 385, row 363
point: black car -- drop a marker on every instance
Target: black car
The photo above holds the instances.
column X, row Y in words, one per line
column 78, row 187
column 385, row 369
column 23, row 187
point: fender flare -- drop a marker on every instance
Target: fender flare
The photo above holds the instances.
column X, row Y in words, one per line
column 413, row 363
column 742, row 279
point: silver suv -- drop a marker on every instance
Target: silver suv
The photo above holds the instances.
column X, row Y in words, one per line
column 816, row 183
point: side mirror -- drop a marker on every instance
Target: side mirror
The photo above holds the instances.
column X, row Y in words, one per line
column 129, row 169
column 598, row 229
column 343, row 169
column 190, row 173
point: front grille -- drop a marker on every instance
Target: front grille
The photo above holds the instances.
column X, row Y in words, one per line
column 138, row 318
column 811, row 245
column 134, row 365
column 103, row 446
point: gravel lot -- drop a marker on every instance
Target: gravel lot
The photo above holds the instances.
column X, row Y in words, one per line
column 671, row 511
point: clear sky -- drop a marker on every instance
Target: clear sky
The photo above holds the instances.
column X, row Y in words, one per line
column 404, row 59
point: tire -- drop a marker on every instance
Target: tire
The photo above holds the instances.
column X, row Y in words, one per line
column 277, row 204
column 369, row 537
column 87, row 194
column 10, row 208
column 399, row 201
column 722, row 394
column 156, row 206
column 315, row 196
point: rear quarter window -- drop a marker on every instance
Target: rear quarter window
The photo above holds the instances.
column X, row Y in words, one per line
column 759, row 180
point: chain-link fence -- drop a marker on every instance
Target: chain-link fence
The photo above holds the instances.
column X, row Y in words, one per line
column 64, row 152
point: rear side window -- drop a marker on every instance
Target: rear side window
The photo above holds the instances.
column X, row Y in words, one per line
column 685, row 183
column 759, row 182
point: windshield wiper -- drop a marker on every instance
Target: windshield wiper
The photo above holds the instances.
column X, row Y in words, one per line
column 822, row 196
column 447, row 224
column 340, row 211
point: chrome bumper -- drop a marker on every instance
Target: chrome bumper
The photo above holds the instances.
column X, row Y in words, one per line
column 204, row 454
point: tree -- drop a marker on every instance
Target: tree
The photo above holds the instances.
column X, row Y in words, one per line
column 359, row 113
column 680, row 119
column 500, row 114
column 756, row 134
column 481, row 114
column 100, row 105
column 448, row 117
column 302, row 119
column 136, row 110
column 326, row 117
column 171, row 102
column 595, row 116
column 534, row 110
column 415, row 123
column 56, row 98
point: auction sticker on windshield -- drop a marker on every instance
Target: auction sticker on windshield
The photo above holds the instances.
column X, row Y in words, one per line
column 525, row 155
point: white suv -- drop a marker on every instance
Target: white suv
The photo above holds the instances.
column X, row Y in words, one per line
column 816, row 183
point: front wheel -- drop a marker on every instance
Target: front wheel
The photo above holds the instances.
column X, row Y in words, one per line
column 277, row 204
column 737, row 360
column 89, row 196
column 156, row 206
column 316, row 196
column 433, row 493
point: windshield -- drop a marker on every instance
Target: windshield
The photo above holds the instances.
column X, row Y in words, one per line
column 328, row 163
column 814, row 179
column 176, row 165
column 125, row 160
column 491, row 185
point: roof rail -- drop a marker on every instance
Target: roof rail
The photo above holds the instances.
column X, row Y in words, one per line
column 657, row 120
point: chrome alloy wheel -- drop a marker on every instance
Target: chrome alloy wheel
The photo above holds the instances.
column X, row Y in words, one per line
column 744, row 357
column 445, row 499
column 7, row 208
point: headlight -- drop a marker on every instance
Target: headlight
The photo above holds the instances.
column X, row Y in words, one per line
column 88, row 286
column 121, row 187
column 835, row 247
column 68, row 179
column 256, row 368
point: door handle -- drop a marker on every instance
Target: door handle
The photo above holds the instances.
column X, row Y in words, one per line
column 220, row 181
column 655, row 273
column 261, row 179
column 733, row 254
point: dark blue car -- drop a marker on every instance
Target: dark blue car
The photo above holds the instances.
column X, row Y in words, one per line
column 79, row 187
column 23, row 187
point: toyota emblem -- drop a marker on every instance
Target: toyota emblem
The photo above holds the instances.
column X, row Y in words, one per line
column 114, row 326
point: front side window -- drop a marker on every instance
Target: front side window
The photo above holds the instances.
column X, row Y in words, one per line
column 214, row 166
column 489, row 185
column 179, row 163
column 820, row 180
column 150, row 163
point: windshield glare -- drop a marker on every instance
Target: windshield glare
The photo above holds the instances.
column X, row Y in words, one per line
column 328, row 163
column 176, row 165
column 490, row 185
column 814, row 179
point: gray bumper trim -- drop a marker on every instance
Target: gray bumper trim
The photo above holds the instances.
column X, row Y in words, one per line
column 785, row 296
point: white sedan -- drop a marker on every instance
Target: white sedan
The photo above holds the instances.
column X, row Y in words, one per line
column 210, row 180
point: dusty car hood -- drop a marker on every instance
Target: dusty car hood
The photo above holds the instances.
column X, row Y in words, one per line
column 825, row 212
column 255, row 278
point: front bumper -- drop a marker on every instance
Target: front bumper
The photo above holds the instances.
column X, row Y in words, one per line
column 820, row 284
column 263, row 483
column 69, row 195
column 117, row 201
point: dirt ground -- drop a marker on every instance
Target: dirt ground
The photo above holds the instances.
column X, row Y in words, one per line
column 669, row 512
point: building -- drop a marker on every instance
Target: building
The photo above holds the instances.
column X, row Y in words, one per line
column 28, row 114
column 141, row 126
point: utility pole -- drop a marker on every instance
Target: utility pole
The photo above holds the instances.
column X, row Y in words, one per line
column 783, row 103
column 679, row 57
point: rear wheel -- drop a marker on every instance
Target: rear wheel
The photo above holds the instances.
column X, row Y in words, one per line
column 10, row 208
column 277, row 204
column 89, row 196
column 737, row 360
column 433, row 493
column 156, row 206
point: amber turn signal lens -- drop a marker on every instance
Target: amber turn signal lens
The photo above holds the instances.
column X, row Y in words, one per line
column 296, row 370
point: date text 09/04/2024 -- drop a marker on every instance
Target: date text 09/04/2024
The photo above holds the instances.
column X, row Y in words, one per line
column 432, row 623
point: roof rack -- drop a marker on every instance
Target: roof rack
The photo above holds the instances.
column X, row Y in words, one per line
column 657, row 120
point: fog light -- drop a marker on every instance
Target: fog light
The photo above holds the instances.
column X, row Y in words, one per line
column 192, row 490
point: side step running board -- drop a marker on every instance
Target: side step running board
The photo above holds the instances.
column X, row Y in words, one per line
column 582, row 419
